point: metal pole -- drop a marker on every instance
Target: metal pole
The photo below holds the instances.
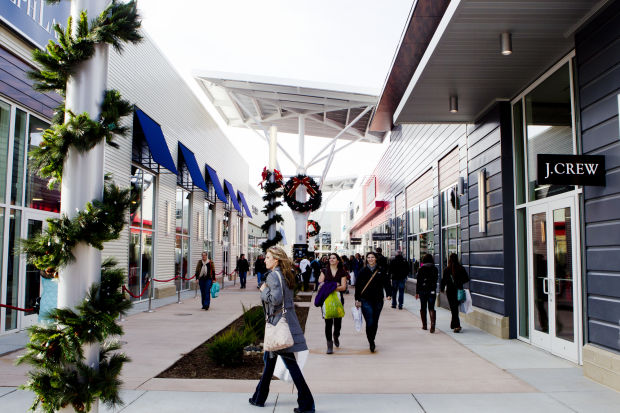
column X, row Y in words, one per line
column 150, row 309
column 82, row 179
column 179, row 292
column 273, row 141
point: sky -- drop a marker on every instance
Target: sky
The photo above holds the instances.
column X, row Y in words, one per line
column 350, row 43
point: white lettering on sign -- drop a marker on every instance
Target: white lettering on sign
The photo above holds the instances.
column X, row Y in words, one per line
column 31, row 7
column 571, row 169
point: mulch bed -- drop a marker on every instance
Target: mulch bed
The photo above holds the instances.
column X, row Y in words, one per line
column 196, row 364
column 302, row 298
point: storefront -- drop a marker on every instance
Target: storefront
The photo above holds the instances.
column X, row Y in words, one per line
column 189, row 179
column 470, row 152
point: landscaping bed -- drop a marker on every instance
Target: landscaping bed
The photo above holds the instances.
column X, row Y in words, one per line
column 198, row 365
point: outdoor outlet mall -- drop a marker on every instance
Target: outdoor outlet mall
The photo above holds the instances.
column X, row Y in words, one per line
column 504, row 148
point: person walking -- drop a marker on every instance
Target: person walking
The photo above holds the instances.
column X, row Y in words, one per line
column 452, row 280
column 334, row 273
column 426, row 289
column 399, row 269
column 357, row 264
column 316, row 271
column 306, row 270
column 276, row 296
column 243, row 266
column 259, row 269
column 371, row 283
column 205, row 274
column 381, row 260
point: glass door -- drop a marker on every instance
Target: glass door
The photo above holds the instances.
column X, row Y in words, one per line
column 552, row 277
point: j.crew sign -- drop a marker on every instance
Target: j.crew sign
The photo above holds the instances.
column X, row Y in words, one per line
column 571, row 169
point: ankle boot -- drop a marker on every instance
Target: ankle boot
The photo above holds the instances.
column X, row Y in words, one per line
column 433, row 315
column 330, row 347
column 423, row 317
column 336, row 341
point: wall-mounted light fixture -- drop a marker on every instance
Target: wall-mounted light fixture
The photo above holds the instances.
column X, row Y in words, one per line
column 454, row 104
column 482, row 201
column 461, row 186
column 505, row 43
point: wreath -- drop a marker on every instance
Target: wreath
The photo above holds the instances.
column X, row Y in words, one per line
column 314, row 192
column 316, row 228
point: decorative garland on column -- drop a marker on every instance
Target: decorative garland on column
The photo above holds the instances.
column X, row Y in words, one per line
column 272, row 193
column 314, row 193
column 316, row 228
column 60, row 376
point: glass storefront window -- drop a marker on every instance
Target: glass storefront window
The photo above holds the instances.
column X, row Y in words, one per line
column 549, row 127
column 141, row 236
column 38, row 195
column 19, row 148
column 5, row 126
column 12, row 273
column 517, row 116
column 208, row 228
column 450, row 223
column 182, row 241
column 421, row 239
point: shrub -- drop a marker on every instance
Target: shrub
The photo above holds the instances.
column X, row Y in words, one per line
column 227, row 349
column 254, row 319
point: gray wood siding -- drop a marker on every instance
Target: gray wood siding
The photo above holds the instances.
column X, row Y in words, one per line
column 15, row 84
column 598, row 68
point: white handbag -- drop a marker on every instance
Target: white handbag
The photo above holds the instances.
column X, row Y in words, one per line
column 278, row 337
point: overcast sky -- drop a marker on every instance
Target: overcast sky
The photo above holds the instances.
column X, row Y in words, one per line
column 344, row 42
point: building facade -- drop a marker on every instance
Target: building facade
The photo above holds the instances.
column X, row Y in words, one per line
column 479, row 159
column 191, row 183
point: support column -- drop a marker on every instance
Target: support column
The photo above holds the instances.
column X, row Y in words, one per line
column 273, row 151
column 301, row 218
column 82, row 179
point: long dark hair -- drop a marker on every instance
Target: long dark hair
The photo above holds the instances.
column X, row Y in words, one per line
column 338, row 258
column 427, row 259
column 453, row 264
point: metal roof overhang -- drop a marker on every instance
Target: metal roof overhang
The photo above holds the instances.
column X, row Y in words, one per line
column 371, row 213
column 250, row 100
column 463, row 57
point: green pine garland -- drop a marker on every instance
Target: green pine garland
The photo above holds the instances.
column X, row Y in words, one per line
column 60, row 376
column 272, row 193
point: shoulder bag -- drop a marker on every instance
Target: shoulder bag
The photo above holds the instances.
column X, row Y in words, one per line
column 368, row 283
column 278, row 337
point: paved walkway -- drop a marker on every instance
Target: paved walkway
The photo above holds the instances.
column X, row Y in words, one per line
column 412, row 370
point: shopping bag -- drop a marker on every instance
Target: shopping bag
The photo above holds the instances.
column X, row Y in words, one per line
column 460, row 295
column 332, row 307
column 352, row 278
column 466, row 306
column 357, row 318
column 281, row 372
column 215, row 289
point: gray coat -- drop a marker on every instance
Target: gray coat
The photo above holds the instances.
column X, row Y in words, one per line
column 272, row 302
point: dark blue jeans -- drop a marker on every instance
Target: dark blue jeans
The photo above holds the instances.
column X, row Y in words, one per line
column 427, row 299
column 304, row 396
column 398, row 287
column 259, row 277
column 242, row 278
column 371, row 311
column 205, row 291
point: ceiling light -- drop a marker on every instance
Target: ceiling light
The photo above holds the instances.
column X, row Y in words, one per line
column 505, row 42
column 454, row 104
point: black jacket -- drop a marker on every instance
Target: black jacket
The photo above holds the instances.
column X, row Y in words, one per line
column 427, row 279
column 374, row 291
column 453, row 283
column 243, row 265
column 399, row 269
column 260, row 267
column 382, row 261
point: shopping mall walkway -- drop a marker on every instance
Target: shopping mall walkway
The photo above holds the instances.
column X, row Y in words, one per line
column 412, row 370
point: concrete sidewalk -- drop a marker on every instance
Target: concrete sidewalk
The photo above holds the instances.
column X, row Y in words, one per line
column 412, row 370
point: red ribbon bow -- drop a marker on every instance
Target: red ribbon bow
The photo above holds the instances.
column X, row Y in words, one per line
column 265, row 176
column 306, row 182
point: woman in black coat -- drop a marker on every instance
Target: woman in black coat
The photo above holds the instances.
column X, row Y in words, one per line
column 426, row 289
column 454, row 276
column 369, row 289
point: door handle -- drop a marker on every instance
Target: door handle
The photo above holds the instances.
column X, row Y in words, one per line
column 546, row 285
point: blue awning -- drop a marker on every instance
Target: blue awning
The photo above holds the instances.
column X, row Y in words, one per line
column 215, row 181
column 192, row 167
column 233, row 197
column 156, row 141
column 245, row 204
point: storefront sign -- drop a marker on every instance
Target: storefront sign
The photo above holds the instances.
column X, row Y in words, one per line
column 356, row 241
column 35, row 19
column 571, row 169
column 382, row 237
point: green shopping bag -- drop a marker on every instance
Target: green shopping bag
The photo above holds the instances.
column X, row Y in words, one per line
column 332, row 307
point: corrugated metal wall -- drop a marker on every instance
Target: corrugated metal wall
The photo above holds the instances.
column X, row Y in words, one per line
column 598, row 68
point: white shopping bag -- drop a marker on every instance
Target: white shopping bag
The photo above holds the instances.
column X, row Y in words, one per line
column 466, row 306
column 357, row 318
column 281, row 372
column 352, row 278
